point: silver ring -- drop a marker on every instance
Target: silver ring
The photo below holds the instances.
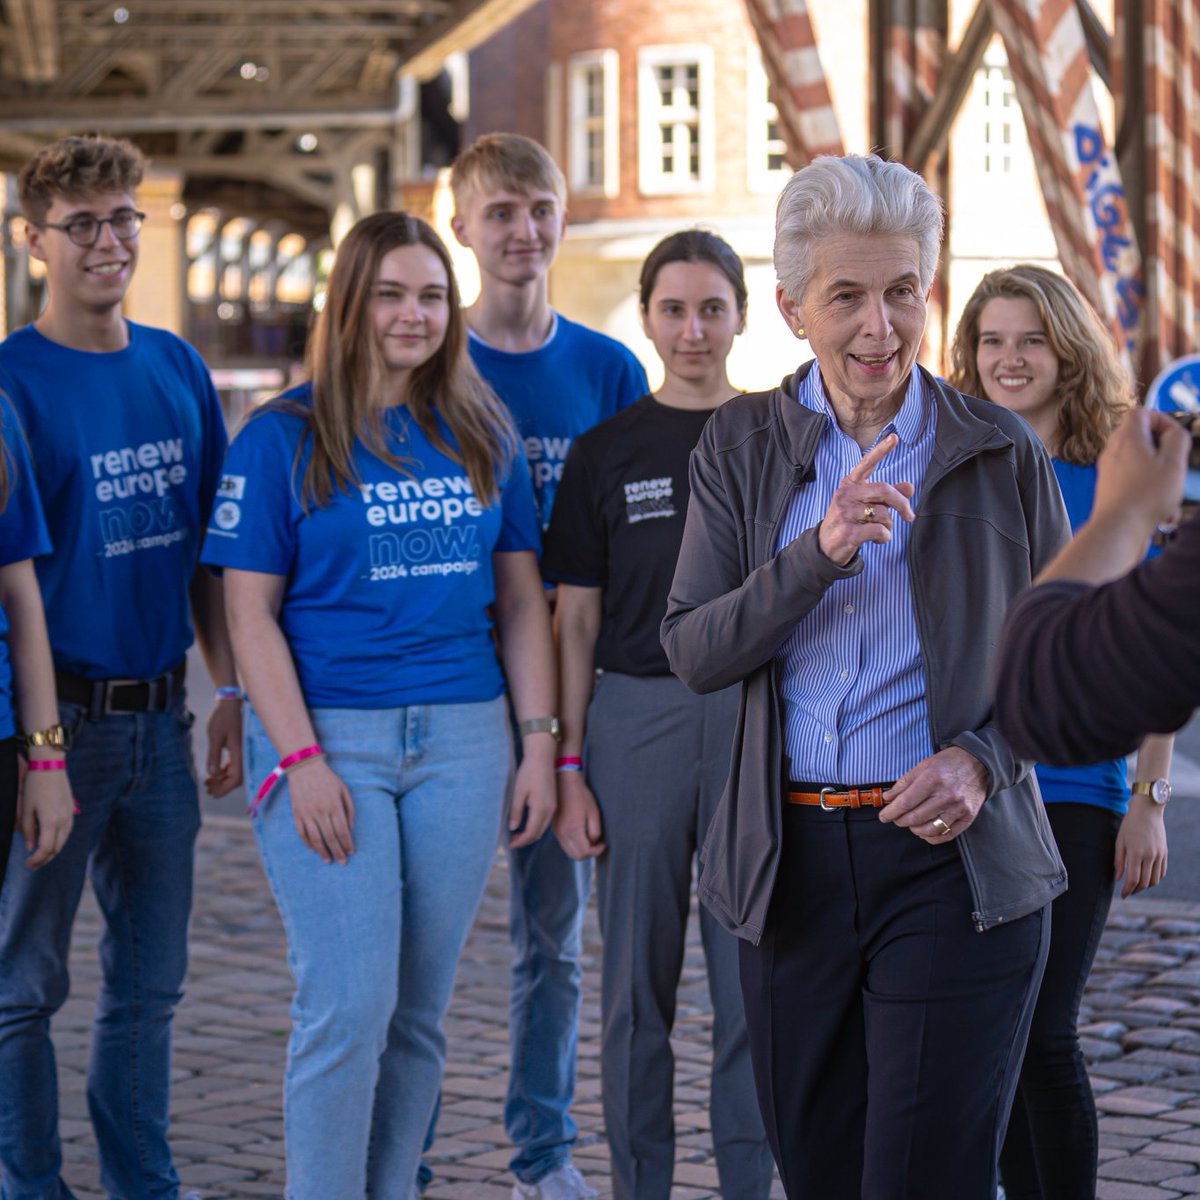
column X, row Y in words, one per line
column 868, row 513
column 940, row 827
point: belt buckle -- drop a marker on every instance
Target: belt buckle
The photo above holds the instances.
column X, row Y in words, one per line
column 828, row 791
column 111, row 685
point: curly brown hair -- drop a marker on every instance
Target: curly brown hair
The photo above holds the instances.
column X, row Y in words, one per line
column 76, row 167
column 1094, row 388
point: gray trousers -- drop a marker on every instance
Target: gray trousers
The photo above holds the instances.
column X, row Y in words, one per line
column 657, row 758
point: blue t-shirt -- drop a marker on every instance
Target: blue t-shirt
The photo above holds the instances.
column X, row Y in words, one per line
column 22, row 535
column 1101, row 784
column 387, row 589
column 126, row 449
column 577, row 379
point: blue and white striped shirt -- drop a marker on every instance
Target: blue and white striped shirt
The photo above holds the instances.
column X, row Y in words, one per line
column 852, row 680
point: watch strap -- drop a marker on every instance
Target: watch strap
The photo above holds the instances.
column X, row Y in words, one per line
column 539, row 725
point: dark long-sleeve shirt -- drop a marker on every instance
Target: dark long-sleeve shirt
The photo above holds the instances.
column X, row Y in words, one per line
column 1084, row 673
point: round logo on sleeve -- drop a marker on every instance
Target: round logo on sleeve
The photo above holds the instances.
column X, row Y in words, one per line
column 227, row 515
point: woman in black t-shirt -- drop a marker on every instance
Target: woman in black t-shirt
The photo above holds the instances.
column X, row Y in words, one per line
column 656, row 754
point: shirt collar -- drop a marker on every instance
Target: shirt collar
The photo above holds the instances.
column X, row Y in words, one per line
column 908, row 424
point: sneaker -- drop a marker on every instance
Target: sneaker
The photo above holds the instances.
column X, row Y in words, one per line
column 563, row 1183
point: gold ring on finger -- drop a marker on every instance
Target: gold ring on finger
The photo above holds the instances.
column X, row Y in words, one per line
column 869, row 513
column 940, row 827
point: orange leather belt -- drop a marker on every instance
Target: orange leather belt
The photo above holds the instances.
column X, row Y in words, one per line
column 829, row 798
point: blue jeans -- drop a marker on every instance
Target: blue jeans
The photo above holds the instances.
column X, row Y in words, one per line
column 133, row 778
column 548, row 892
column 373, row 945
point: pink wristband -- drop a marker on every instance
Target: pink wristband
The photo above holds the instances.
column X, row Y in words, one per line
column 277, row 773
column 47, row 764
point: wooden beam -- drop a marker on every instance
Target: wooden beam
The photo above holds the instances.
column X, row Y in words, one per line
column 959, row 70
column 465, row 24
column 93, row 13
column 279, row 33
column 66, row 116
column 35, row 39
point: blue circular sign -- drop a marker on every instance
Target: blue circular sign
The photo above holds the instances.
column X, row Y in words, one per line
column 1176, row 388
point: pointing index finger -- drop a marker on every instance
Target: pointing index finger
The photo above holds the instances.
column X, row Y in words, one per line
column 862, row 472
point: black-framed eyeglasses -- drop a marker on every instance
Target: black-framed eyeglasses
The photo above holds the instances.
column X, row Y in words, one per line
column 85, row 231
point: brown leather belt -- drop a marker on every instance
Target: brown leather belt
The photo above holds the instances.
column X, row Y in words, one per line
column 830, row 798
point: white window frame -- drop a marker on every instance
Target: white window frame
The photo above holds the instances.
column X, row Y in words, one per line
column 651, row 179
column 554, row 110
column 999, row 114
column 760, row 111
column 579, row 124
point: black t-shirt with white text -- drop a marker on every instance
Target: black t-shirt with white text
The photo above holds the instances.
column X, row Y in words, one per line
column 618, row 522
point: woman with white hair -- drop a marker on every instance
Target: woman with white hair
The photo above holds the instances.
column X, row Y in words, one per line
column 852, row 541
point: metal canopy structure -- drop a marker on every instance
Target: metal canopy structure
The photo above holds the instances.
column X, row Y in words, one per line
column 223, row 88
column 1126, row 217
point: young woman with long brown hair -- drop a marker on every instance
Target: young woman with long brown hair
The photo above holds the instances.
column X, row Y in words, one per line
column 1029, row 341
column 367, row 520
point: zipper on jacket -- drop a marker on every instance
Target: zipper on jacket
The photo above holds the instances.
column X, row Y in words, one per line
column 981, row 921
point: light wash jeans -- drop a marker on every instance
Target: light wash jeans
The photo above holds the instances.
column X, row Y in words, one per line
column 133, row 778
column 373, row 945
column 548, row 893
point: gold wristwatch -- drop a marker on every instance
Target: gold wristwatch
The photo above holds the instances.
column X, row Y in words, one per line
column 1159, row 790
column 55, row 737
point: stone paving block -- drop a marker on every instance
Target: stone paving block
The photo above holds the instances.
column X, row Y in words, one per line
column 1143, row 1127
column 463, row 1190
column 1108, row 1031
column 1176, row 1151
column 1184, row 1083
column 1146, row 1101
column 1111, row 1189
column 1117, row 1145
column 1150, row 960
column 1158, row 1037
column 1130, row 1072
column 494, row 1160
column 1188, row 1114
column 1176, row 925
column 1139, row 1168
column 1121, row 918
column 1168, row 1006
column 1186, row 1134
column 1183, row 977
column 700, row 1175
column 1188, row 1185
column 1180, row 1061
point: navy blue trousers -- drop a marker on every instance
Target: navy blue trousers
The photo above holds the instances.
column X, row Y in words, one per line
column 886, row 1033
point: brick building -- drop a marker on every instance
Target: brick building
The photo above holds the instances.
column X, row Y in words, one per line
column 659, row 116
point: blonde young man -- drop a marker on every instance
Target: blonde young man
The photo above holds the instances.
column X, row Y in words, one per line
column 559, row 379
column 126, row 437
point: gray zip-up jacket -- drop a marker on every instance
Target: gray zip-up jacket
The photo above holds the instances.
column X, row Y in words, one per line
column 990, row 516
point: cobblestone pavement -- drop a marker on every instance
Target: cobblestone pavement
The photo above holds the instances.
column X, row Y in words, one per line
column 1142, row 1026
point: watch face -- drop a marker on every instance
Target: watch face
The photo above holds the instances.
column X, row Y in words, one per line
column 1160, row 791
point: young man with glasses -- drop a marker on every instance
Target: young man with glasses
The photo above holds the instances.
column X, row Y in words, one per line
column 126, row 437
